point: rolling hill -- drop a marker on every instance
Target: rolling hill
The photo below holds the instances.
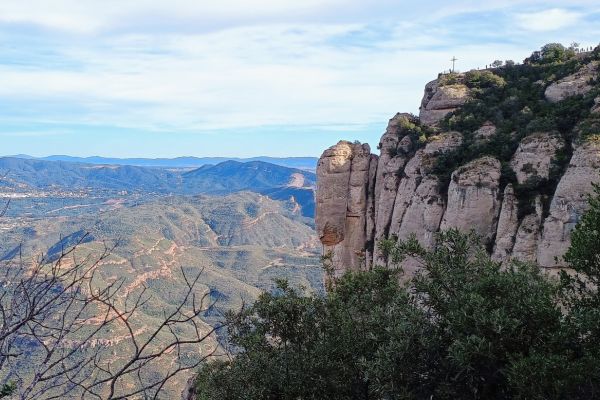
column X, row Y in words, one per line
column 255, row 175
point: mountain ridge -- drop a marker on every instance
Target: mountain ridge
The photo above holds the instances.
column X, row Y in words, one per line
column 308, row 163
column 283, row 183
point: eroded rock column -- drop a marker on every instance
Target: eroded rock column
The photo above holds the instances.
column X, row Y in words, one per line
column 473, row 202
column 342, row 198
column 569, row 203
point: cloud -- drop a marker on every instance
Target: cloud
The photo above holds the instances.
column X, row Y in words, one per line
column 242, row 77
column 89, row 16
column 548, row 20
column 191, row 66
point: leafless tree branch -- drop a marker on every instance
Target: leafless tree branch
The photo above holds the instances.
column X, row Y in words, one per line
column 55, row 319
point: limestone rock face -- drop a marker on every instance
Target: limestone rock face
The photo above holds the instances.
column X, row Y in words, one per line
column 438, row 101
column 473, row 202
column 342, row 202
column 370, row 223
column 572, row 85
column 486, row 131
column 569, row 203
column 395, row 148
column 363, row 198
column 534, row 156
column 424, row 213
column 527, row 238
column 419, row 205
column 596, row 107
column 422, row 218
column 415, row 171
column 333, row 177
column 508, row 223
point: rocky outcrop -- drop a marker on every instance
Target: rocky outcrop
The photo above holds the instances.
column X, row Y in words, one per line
column 526, row 241
column 395, row 149
column 534, row 156
column 342, row 197
column 486, row 131
column 333, row 177
column 569, row 203
column 424, row 213
column 473, row 198
column 370, row 223
column 508, row 223
column 363, row 198
column 572, row 85
column 416, row 171
column 439, row 100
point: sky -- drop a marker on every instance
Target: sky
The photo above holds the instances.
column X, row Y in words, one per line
column 241, row 78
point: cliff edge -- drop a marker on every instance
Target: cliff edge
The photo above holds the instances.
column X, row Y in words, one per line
column 510, row 153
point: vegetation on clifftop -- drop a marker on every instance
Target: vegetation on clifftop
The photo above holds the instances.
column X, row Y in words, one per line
column 512, row 99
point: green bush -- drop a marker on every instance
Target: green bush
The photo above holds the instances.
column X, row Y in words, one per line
column 451, row 78
column 410, row 125
column 483, row 79
column 556, row 52
column 464, row 327
column 7, row 389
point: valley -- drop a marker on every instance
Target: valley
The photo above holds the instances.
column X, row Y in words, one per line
column 239, row 241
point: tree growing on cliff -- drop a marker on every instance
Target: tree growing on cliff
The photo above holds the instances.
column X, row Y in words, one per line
column 584, row 254
column 582, row 294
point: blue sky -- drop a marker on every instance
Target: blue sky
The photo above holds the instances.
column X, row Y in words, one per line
column 155, row 78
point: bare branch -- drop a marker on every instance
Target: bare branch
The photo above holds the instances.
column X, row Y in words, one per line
column 58, row 315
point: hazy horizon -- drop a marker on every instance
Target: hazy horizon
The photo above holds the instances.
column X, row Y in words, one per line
column 153, row 158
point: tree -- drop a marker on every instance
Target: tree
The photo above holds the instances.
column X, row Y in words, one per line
column 486, row 321
column 582, row 296
column 290, row 346
column 556, row 52
column 584, row 253
column 497, row 63
column 464, row 327
column 7, row 389
column 54, row 317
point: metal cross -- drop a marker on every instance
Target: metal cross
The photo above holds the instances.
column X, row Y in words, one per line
column 454, row 59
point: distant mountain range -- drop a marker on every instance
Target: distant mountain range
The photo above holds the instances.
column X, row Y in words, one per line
column 306, row 163
column 276, row 181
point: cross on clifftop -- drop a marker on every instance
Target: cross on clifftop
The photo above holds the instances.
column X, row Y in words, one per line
column 454, row 59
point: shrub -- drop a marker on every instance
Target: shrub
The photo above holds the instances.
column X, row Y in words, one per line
column 451, row 78
column 464, row 327
column 484, row 79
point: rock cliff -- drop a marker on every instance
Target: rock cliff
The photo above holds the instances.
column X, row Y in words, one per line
column 480, row 157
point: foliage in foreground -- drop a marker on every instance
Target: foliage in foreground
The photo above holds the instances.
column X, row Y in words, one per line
column 463, row 328
column 54, row 320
